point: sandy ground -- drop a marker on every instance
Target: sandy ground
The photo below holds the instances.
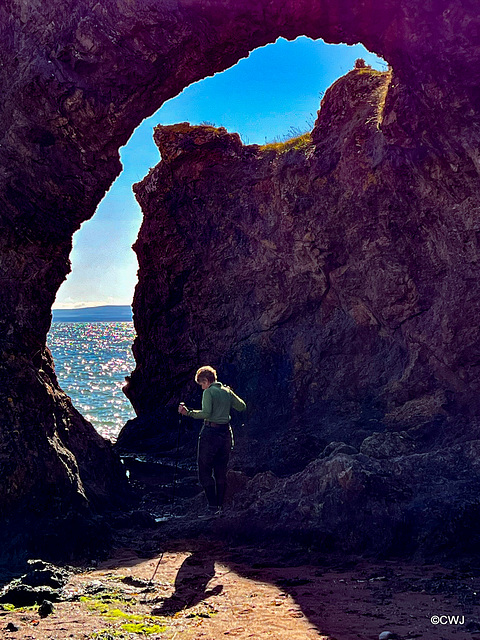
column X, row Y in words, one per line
column 203, row 590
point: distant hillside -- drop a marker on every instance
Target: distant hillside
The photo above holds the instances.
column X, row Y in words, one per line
column 108, row 313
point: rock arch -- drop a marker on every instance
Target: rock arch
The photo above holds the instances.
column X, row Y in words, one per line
column 77, row 77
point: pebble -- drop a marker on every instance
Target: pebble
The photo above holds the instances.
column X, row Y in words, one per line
column 45, row 609
column 386, row 635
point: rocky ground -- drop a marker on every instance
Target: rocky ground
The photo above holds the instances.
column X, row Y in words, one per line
column 178, row 577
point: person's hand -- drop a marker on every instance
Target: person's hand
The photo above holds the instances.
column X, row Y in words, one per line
column 182, row 409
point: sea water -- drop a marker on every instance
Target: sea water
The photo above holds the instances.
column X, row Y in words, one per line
column 91, row 362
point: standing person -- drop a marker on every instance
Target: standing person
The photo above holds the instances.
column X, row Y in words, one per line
column 216, row 438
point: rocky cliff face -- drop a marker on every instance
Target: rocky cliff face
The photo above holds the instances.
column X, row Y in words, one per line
column 332, row 278
column 333, row 281
column 77, row 78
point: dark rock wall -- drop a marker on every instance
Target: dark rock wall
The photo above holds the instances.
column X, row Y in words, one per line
column 332, row 280
column 76, row 78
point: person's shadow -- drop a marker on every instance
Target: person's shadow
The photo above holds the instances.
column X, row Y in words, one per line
column 190, row 585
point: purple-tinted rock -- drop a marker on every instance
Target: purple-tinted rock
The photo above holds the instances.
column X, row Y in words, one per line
column 397, row 175
column 333, row 282
column 300, row 271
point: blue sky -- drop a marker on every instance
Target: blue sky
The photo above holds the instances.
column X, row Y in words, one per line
column 278, row 87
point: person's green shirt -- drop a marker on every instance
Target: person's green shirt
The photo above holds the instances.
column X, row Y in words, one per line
column 217, row 400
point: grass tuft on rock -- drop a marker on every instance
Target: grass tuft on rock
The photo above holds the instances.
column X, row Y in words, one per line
column 299, row 142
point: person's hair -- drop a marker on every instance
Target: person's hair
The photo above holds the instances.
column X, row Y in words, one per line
column 206, row 373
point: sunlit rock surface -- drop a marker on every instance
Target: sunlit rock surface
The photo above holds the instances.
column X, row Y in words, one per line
column 78, row 76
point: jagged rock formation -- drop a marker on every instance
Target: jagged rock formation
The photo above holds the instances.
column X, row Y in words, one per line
column 333, row 280
column 77, row 77
column 323, row 276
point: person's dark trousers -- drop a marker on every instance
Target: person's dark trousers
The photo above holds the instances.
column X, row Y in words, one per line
column 214, row 446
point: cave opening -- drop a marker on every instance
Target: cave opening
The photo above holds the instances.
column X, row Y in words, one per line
column 270, row 96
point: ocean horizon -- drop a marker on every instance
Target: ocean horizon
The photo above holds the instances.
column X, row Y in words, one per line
column 104, row 313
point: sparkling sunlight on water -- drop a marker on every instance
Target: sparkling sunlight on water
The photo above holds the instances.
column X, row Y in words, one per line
column 91, row 362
